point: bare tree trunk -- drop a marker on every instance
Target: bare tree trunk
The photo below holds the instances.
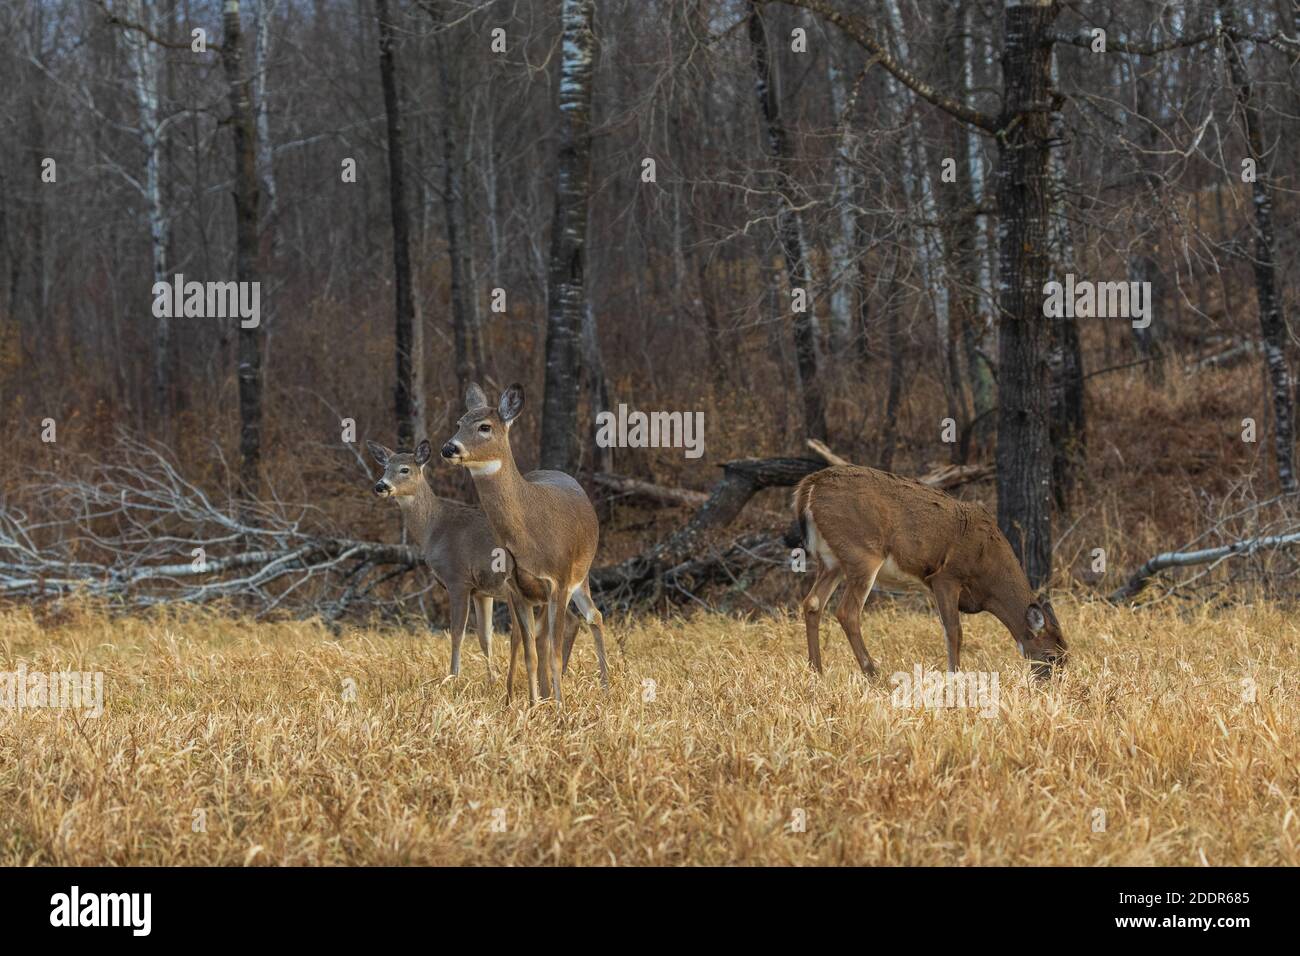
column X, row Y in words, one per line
column 465, row 330
column 597, row 386
column 894, row 387
column 1065, row 363
column 1024, row 202
column 144, row 58
column 844, row 239
column 1143, row 265
column 566, row 291
column 247, row 198
column 790, row 234
column 408, row 396
column 979, row 321
column 262, row 12
column 1272, row 322
column 922, row 211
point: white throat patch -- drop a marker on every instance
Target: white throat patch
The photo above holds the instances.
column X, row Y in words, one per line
column 483, row 468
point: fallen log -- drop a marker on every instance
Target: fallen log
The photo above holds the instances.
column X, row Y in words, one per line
column 648, row 491
column 642, row 577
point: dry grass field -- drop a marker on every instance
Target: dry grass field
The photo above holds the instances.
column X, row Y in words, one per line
column 714, row 762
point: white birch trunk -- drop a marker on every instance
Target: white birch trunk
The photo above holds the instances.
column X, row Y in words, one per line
column 843, row 241
column 262, row 12
column 144, row 58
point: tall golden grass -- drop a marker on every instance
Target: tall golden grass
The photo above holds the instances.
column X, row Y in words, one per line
column 712, row 744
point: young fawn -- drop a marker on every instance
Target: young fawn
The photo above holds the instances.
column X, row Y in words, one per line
column 547, row 524
column 868, row 527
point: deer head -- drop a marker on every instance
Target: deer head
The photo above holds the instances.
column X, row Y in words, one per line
column 482, row 439
column 403, row 471
column 1042, row 641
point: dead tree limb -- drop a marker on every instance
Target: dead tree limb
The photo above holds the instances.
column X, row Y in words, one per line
column 1182, row 559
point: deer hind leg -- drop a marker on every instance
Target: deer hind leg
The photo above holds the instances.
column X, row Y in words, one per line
column 849, row 613
column 516, row 638
column 483, row 614
column 459, row 618
column 947, row 597
column 553, row 652
column 828, row 579
column 596, row 621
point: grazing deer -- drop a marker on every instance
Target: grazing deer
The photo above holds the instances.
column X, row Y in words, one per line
column 868, row 526
column 546, row 523
column 457, row 544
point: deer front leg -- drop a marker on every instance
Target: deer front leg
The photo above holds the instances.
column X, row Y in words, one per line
column 483, row 612
column 459, row 598
column 947, row 597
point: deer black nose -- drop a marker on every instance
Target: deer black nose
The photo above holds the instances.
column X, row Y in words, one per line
column 380, row 487
column 449, row 450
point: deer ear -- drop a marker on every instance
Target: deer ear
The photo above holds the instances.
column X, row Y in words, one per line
column 511, row 404
column 380, row 453
column 475, row 397
column 422, row 452
column 1035, row 619
column 1050, row 614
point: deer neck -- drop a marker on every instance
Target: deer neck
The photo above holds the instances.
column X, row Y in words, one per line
column 502, row 491
column 422, row 513
column 1009, row 604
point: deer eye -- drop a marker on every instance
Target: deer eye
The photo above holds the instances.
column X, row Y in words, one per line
column 485, row 429
column 405, row 470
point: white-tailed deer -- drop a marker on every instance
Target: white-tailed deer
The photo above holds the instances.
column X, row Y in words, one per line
column 546, row 523
column 868, row 527
column 457, row 543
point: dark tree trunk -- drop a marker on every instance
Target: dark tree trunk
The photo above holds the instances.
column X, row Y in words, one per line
column 247, row 197
column 1068, row 422
column 1023, row 181
column 466, row 334
column 894, row 388
column 566, row 291
column 407, row 397
column 1272, row 323
column 790, row 234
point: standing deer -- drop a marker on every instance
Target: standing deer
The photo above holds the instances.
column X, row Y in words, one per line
column 546, row 523
column 459, row 547
column 455, row 541
column 868, row 526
